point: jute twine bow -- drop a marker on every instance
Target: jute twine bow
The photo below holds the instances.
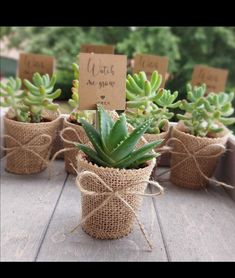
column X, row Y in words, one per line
column 220, row 149
column 110, row 193
column 30, row 146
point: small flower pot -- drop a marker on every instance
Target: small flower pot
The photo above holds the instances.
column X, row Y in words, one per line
column 188, row 148
column 113, row 220
column 28, row 145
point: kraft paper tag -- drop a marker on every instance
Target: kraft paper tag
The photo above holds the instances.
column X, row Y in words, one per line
column 98, row 49
column 149, row 63
column 30, row 63
column 214, row 78
column 102, row 80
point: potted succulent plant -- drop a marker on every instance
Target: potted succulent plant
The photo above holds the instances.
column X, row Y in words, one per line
column 29, row 129
column 72, row 129
column 146, row 100
column 200, row 136
column 119, row 161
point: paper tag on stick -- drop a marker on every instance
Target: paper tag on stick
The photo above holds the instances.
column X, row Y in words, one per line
column 149, row 63
column 30, row 63
column 214, row 78
column 102, row 80
column 98, row 49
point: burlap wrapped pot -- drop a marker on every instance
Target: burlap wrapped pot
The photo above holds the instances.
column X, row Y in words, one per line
column 190, row 152
column 77, row 135
column 113, row 220
column 57, row 142
column 28, row 145
column 162, row 160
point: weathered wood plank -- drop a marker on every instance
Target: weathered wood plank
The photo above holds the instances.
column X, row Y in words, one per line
column 27, row 203
column 197, row 225
column 78, row 246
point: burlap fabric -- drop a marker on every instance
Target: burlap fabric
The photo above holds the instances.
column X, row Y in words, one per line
column 113, row 220
column 161, row 160
column 190, row 152
column 77, row 135
column 28, row 145
column 57, row 142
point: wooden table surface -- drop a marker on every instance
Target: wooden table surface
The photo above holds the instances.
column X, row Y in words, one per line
column 184, row 225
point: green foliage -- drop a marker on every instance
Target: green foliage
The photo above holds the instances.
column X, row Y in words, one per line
column 146, row 100
column 113, row 146
column 206, row 114
column 12, row 96
column 77, row 114
column 152, row 40
column 185, row 46
column 40, row 94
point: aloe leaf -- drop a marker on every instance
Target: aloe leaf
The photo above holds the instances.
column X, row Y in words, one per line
column 118, row 133
column 105, row 124
column 136, row 155
column 95, row 139
column 140, row 161
column 128, row 145
column 92, row 154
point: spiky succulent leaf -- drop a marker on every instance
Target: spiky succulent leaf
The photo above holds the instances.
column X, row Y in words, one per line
column 96, row 141
column 128, row 144
column 105, row 124
column 92, row 155
column 136, row 155
column 118, row 133
column 142, row 160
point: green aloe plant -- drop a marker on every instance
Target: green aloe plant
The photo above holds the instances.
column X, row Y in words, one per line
column 206, row 114
column 12, row 96
column 77, row 114
column 39, row 95
column 146, row 100
column 113, row 145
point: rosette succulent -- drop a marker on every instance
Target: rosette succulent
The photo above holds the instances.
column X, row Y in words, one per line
column 12, row 97
column 113, row 145
column 146, row 100
column 27, row 105
column 205, row 115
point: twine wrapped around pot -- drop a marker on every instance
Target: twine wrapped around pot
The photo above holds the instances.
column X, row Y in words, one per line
column 111, row 198
column 28, row 145
column 193, row 158
column 73, row 133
